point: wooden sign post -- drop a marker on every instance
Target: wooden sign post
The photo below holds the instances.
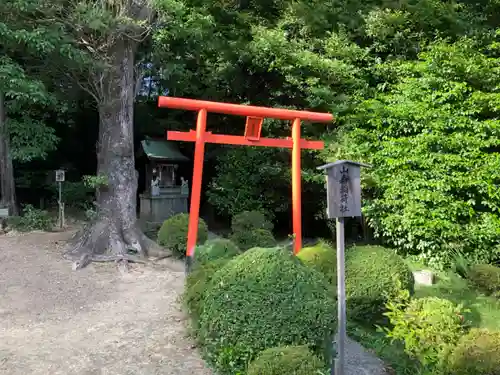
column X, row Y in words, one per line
column 343, row 200
column 60, row 177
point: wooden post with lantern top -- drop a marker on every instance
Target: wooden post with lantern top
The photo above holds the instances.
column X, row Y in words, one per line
column 60, row 178
column 343, row 200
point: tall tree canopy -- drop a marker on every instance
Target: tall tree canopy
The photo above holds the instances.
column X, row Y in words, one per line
column 434, row 140
column 32, row 46
column 413, row 85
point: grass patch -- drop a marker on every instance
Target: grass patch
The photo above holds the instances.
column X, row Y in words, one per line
column 484, row 310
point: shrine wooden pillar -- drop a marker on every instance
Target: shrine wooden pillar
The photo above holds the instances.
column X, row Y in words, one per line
column 296, row 188
column 194, row 209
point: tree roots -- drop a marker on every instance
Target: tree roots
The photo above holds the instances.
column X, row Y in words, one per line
column 109, row 241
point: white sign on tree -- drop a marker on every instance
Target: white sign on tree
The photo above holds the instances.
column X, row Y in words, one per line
column 60, row 175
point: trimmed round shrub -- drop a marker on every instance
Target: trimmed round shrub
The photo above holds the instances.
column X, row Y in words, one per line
column 262, row 299
column 427, row 326
column 373, row 273
column 253, row 238
column 322, row 257
column 197, row 283
column 485, row 277
column 477, row 353
column 286, row 360
column 218, row 248
column 173, row 233
column 250, row 220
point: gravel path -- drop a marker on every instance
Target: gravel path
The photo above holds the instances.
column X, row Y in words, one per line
column 360, row 361
column 91, row 322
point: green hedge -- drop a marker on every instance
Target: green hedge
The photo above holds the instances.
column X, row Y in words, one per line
column 253, row 238
column 322, row 257
column 287, row 360
column 261, row 299
column 372, row 272
column 249, row 220
column 197, row 285
column 173, row 233
column 485, row 277
column 477, row 353
column 218, row 248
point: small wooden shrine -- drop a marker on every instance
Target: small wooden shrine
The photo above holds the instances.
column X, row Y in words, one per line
column 165, row 194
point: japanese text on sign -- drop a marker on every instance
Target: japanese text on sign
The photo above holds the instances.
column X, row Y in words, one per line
column 344, row 189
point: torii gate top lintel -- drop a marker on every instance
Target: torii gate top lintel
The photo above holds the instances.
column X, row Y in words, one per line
column 255, row 116
column 242, row 109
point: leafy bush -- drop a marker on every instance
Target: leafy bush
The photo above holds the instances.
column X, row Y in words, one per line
column 426, row 326
column 197, row 284
column 296, row 360
column 323, row 258
column 253, row 238
column 476, row 353
column 486, row 278
column 31, row 219
column 249, row 220
column 219, row 248
column 372, row 273
column 75, row 194
column 261, row 299
column 174, row 230
column 246, row 174
column 427, row 201
column 460, row 264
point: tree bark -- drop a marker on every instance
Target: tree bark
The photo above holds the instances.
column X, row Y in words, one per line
column 115, row 233
column 8, row 187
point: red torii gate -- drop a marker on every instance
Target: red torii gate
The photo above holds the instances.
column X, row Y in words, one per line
column 255, row 116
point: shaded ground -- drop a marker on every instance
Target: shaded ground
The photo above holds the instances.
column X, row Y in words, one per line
column 91, row 322
column 360, row 361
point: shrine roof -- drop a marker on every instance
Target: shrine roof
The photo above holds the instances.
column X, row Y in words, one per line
column 340, row 162
column 158, row 149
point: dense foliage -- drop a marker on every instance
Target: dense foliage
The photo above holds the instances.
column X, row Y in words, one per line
column 254, row 238
column 252, row 229
column 412, row 84
column 476, row 353
column 373, row 274
column 322, row 257
column 31, row 219
column 261, row 299
column 486, row 278
column 297, row 360
column 250, row 220
column 197, row 284
column 428, row 327
column 33, row 45
column 433, row 140
column 218, row 248
column 250, row 165
column 174, row 230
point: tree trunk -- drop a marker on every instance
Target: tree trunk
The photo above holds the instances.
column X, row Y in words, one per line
column 115, row 232
column 8, row 187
